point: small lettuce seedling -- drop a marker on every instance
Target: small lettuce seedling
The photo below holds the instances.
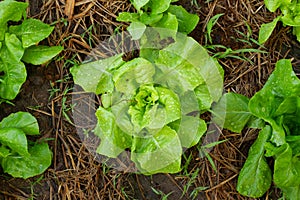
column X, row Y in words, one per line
column 18, row 156
column 18, row 44
column 275, row 109
column 290, row 17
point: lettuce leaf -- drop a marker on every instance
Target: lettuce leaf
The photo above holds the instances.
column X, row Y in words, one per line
column 188, row 73
column 281, row 84
column 138, row 4
column 38, row 160
column 186, row 127
column 186, row 22
column 14, row 70
column 286, row 168
column 28, row 34
column 273, row 5
column 160, row 148
column 158, row 6
column 256, row 186
column 232, row 112
column 18, row 156
column 23, row 121
column 132, row 74
column 113, row 140
column 10, row 11
column 15, row 139
column 266, row 30
column 38, row 55
column 95, row 76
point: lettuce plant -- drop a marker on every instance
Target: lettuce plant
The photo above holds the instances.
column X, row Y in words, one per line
column 276, row 110
column 152, row 107
column 166, row 19
column 290, row 17
column 158, row 14
column 20, row 157
column 18, row 44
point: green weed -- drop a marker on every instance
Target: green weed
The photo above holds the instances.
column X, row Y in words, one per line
column 161, row 193
column 32, row 184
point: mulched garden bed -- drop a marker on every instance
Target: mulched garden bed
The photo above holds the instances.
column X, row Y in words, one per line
column 47, row 94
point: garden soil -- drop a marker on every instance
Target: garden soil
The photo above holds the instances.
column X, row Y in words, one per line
column 47, row 93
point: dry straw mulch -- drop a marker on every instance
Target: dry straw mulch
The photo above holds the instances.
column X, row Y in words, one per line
column 80, row 26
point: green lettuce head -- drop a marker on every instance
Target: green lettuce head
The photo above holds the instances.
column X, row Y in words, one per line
column 151, row 105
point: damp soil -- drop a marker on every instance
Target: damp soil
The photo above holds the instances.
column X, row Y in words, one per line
column 75, row 173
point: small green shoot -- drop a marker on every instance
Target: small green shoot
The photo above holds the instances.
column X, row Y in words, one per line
column 187, row 163
column 216, row 49
column 195, row 193
column 65, row 106
column 62, row 20
column 204, row 153
column 161, row 193
column 52, row 91
column 32, row 184
column 229, row 53
column 195, row 3
column 191, row 180
column 210, row 25
column 6, row 101
column 89, row 33
column 247, row 37
column 125, row 194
